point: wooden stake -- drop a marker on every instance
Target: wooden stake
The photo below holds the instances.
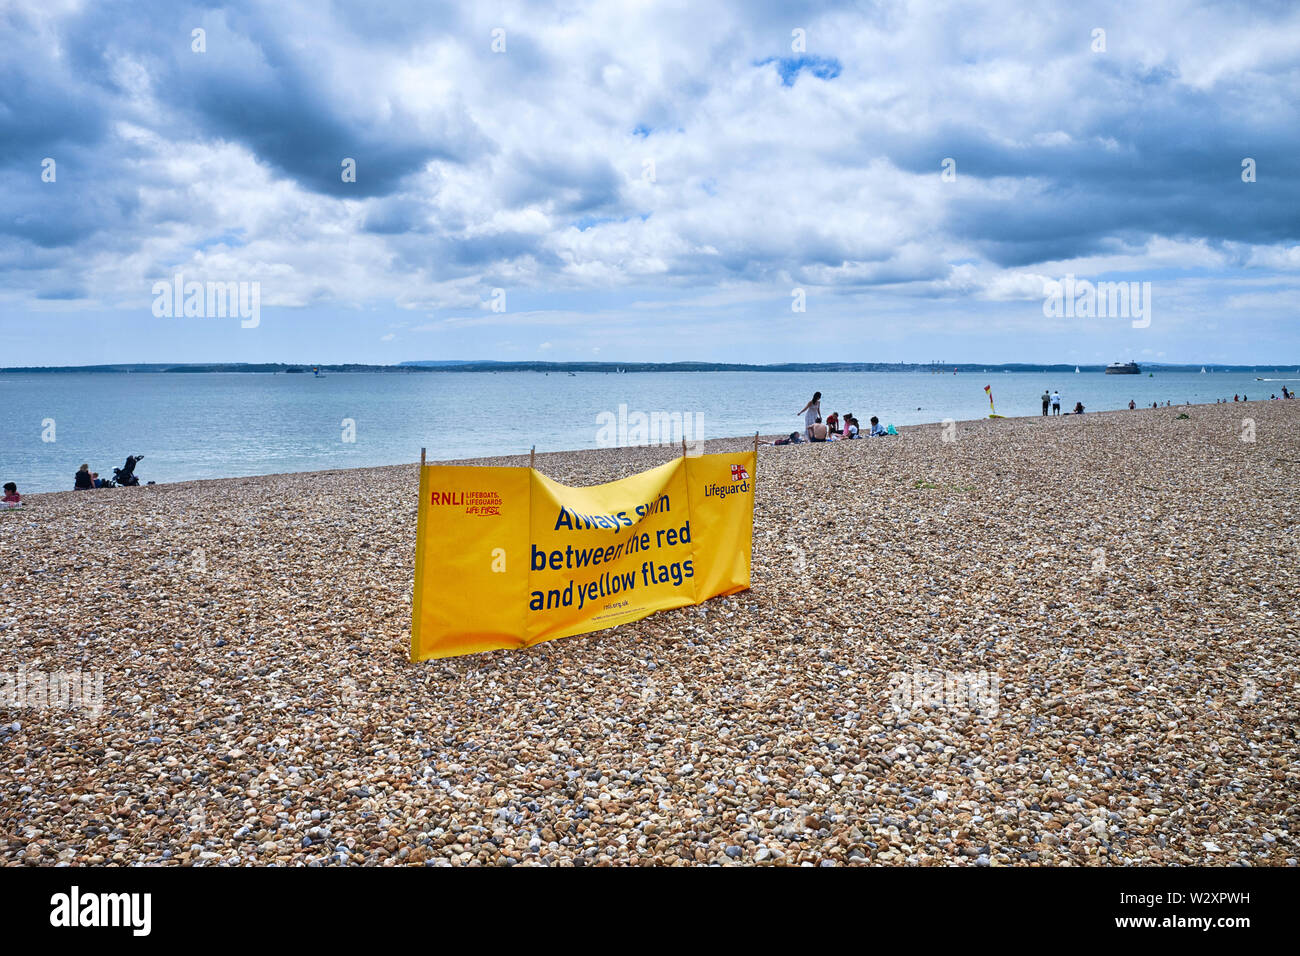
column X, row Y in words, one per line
column 683, row 446
column 755, row 443
column 421, row 457
column 532, row 457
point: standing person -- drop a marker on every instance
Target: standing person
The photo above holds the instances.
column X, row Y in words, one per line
column 1046, row 400
column 812, row 413
column 1131, row 404
column 83, row 481
column 1056, row 403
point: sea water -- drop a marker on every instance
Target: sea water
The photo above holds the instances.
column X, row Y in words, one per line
column 217, row 425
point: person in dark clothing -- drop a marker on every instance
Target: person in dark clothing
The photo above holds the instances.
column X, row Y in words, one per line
column 83, row 481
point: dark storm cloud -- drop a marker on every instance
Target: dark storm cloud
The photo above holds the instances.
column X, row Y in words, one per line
column 574, row 185
column 251, row 86
column 1145, row 155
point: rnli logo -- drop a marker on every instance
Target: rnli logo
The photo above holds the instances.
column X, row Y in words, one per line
column 482, row 503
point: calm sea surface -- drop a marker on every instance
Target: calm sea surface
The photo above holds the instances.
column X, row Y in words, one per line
column 220, row 425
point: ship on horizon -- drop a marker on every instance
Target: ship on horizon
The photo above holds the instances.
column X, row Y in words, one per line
column 1123, row 368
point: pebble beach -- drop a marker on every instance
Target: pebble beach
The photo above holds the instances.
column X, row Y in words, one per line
column 1120, row 588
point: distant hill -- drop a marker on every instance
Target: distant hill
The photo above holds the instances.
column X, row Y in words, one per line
column 962, row 367
column 174, row 367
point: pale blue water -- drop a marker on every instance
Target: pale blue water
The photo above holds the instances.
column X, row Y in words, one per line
column 220, row 425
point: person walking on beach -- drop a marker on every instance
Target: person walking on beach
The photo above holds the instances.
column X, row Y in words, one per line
column 1046, row 400
column 1056, row 403
column 812, row 413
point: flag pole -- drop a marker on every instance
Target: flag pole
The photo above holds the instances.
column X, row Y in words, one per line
column 532, row 457
column 683, row 444
column 421, row 457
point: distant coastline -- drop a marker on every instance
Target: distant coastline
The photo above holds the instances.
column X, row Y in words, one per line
column 408, row 368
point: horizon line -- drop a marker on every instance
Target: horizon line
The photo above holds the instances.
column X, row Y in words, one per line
column 699, row 365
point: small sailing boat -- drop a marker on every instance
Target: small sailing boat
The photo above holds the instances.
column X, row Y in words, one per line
column 1202, row 369
column 1076, row 370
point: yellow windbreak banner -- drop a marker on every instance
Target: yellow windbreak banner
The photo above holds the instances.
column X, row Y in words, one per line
column 506, row 557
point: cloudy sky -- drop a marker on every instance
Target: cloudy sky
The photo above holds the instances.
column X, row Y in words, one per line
column 650, row 181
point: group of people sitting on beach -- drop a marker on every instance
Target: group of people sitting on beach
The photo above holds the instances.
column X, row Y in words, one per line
column 86, row 480
column 834, row 428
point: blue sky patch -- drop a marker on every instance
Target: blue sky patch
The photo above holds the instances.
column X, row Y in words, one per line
column 822, row 67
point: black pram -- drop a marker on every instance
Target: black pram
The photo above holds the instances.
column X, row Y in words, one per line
column 125, row 476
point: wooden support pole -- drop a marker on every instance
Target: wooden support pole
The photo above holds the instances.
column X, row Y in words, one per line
column 532, row 457
column 755, row 443
column 683, row 445
column 421, row 457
